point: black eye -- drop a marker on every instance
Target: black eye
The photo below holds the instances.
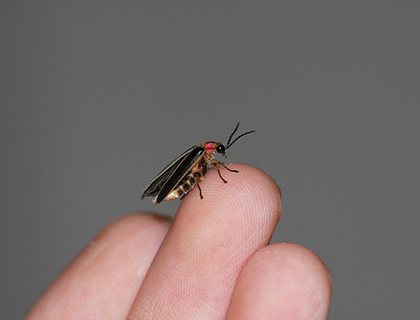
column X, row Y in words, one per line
column 220, row 149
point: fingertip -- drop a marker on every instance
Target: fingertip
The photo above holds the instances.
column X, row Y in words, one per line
column 114, row 264
column 251, row 187
column 282, row 281
column 257, row 186
column 249, row 204
column 125, row 227
column 295, row 258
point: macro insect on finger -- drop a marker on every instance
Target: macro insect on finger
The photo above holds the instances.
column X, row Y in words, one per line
column 183, row 173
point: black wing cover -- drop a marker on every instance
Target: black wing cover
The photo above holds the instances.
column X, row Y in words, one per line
column 172, row 174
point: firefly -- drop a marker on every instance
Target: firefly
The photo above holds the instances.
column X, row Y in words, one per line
column 182, row 174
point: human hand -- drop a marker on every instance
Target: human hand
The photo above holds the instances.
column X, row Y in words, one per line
column 213, row 262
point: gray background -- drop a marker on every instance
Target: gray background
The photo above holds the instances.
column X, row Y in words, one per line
column 97, row 96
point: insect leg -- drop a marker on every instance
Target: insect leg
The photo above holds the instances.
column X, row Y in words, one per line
column 220, row 175
column 231, row 170
column 199, row 176
column 199, row 189
column 216, row 163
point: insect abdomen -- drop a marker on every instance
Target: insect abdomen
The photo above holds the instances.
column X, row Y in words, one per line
column 183, row 188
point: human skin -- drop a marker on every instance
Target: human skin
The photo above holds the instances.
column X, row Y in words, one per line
column 214, row 261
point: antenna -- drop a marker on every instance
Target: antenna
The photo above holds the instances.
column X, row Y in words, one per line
column 228, row 145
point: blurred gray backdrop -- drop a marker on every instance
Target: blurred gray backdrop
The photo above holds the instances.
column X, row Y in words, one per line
column 98, row 96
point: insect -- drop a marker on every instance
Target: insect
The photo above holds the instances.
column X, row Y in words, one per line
column 183, row 173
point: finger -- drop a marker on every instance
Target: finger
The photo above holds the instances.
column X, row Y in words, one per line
column 102, row 281
column 194, row 272
column 282, row 281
